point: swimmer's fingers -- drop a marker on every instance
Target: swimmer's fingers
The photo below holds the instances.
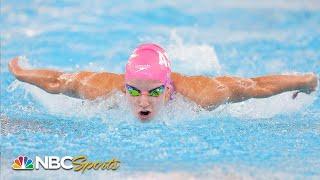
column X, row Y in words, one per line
column 306, row 91
column 294, row 95
column 311, row 85
column 14, row 66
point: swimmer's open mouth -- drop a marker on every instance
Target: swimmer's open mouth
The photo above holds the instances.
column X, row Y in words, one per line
column 144, row 113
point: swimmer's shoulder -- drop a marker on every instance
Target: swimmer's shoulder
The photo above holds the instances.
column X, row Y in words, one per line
column 187, row 84
column 106, row 80
column 177, row 77
column 91, row 85
column 190, row 85
column 95, row 77
column 180, row 79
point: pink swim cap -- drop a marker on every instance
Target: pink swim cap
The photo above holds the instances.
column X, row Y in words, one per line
column 148, row 61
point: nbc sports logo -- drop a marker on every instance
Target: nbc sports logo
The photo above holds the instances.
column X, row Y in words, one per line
column 22, row 163
column 78, row 163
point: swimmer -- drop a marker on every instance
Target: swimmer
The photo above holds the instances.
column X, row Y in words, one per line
column 149, row 84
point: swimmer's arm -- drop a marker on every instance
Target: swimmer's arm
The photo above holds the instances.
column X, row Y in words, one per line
column 265, row 86
column 207, row 91
column 85, row 85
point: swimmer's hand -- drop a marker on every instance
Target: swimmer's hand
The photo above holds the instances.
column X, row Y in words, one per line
column 43, row 78
column 14, row 67
column 311, row 81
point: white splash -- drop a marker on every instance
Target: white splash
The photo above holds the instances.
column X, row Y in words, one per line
column 192, row 59
column 270, row 107
column 59, row 104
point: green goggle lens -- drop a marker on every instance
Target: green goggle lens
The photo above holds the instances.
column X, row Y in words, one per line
column 154, row 92
column 133, row 92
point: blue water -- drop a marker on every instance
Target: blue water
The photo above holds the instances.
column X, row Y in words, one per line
column 272, row 138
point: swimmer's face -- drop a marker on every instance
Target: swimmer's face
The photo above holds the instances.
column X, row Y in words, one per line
column 145, row 107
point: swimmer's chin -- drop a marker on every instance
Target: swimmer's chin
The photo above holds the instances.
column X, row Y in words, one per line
column 145, row 120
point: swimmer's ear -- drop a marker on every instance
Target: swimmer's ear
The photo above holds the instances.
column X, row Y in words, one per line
column 123, row 89
column 167, row 94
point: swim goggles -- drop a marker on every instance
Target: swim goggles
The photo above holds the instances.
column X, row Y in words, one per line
column 153, row 92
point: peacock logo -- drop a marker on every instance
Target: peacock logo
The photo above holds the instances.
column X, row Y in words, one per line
column 22, row 163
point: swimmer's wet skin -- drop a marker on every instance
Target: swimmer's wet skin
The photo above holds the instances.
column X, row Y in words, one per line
column 149, row 68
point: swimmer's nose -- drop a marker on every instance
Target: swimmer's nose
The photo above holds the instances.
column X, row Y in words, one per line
column 144, row 102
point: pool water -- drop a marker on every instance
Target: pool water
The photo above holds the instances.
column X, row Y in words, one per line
column 271, row 138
